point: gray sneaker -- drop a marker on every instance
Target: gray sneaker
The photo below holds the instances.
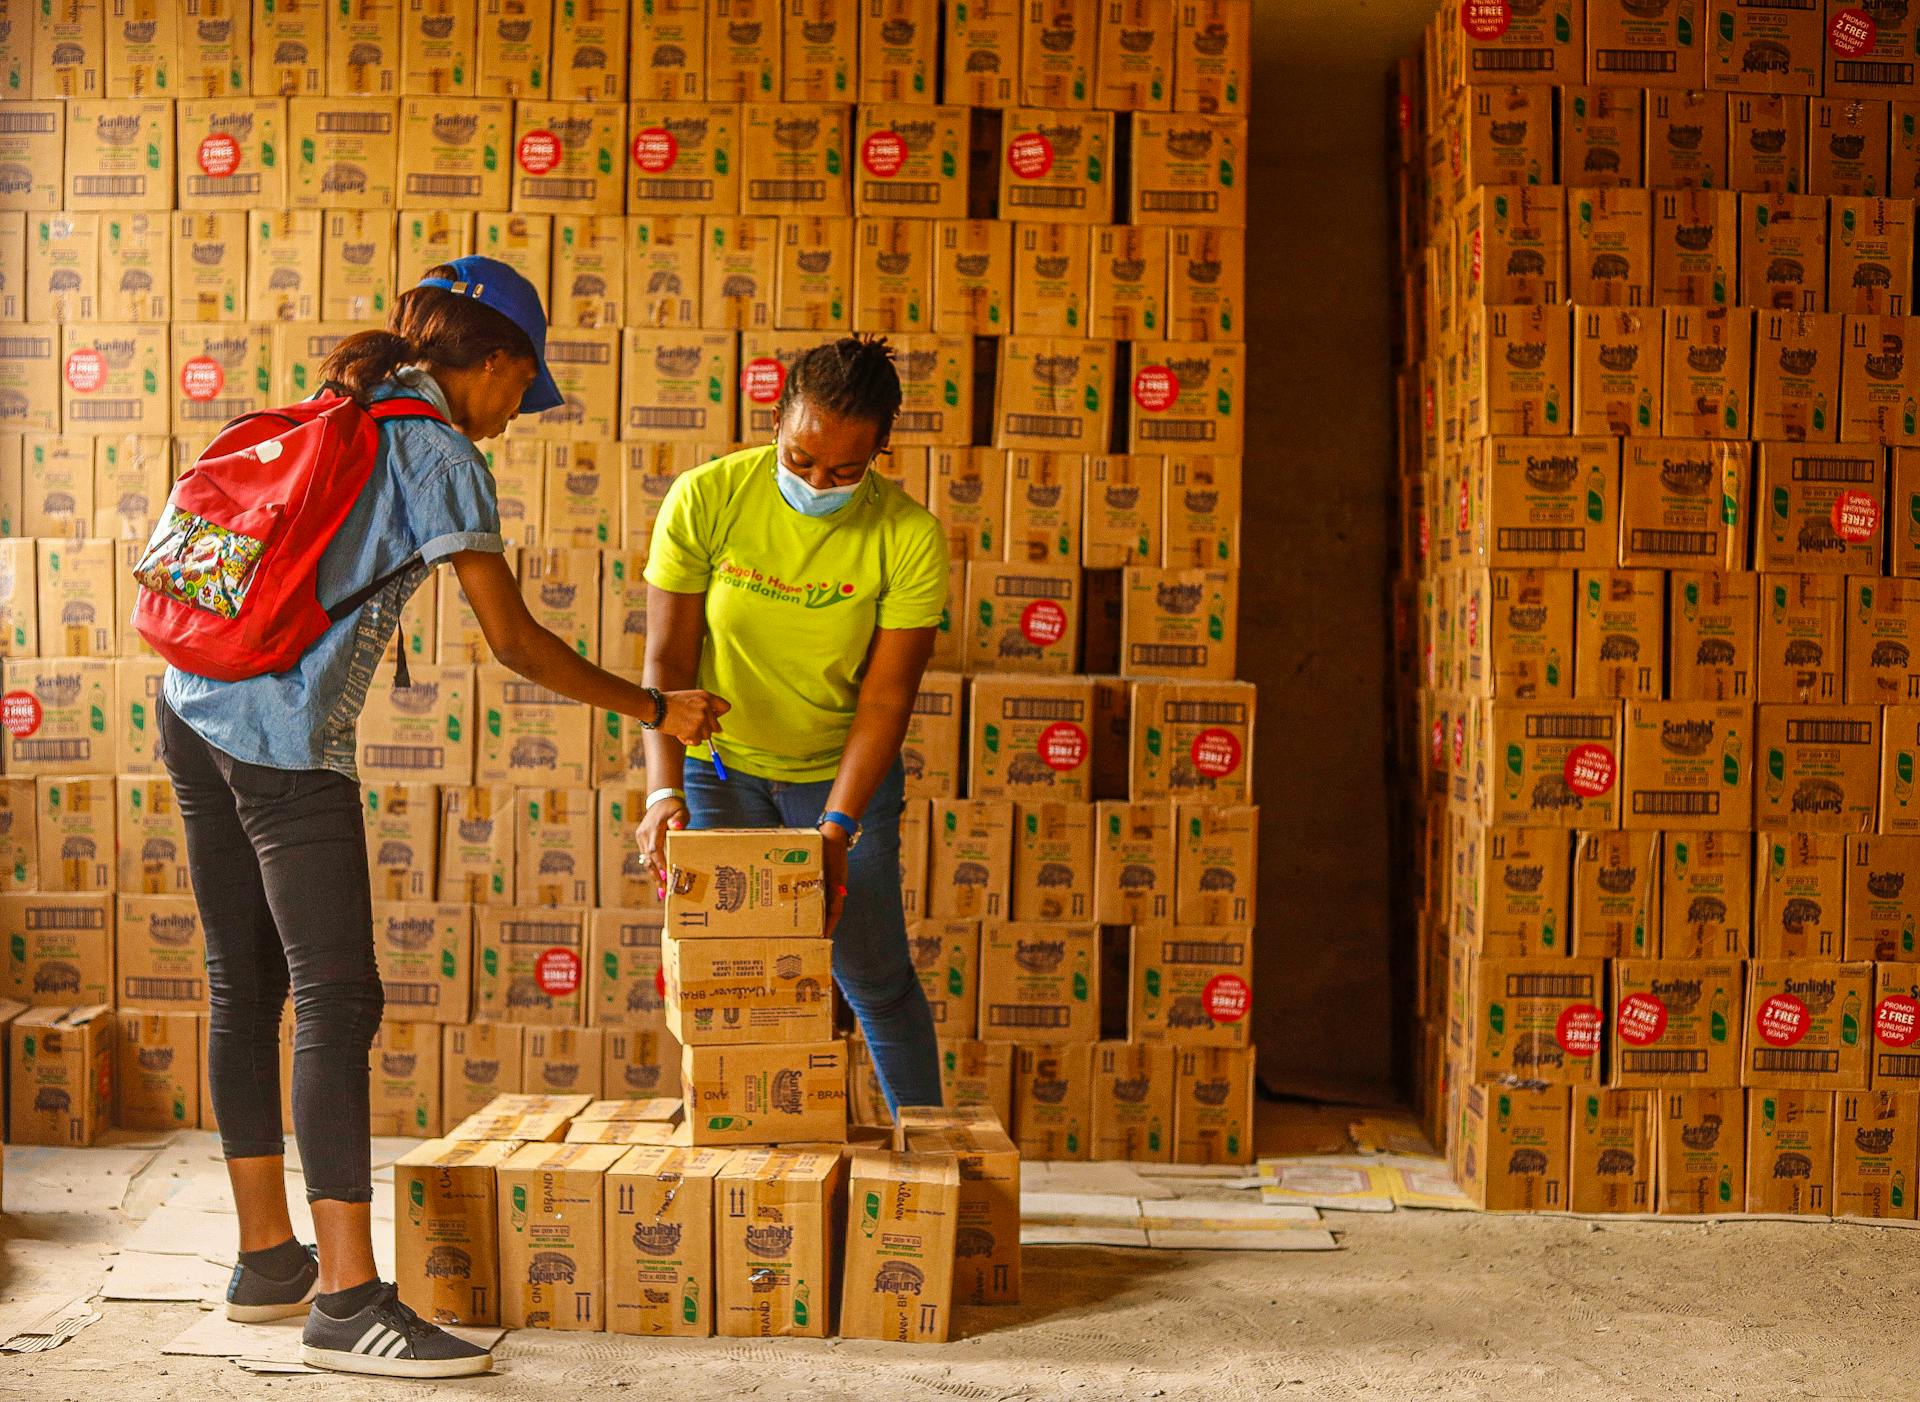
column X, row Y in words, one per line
column 254, row 1297
column 388, row 1340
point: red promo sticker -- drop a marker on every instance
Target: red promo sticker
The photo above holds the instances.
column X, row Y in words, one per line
column 219, row 155
column 1782, row 1020
column 1030, row 155
column 655, row 149
column 1426, row 535
column 1216, row 752
column 538, row 151
column 1641, row 1019
column 86, row 370
column 1485, row 20
column 201, row 378
column 1226, row 998
column 1473, row 620
column 1043, row 622
column 660, row 982
column 1851, row 32
column 1063, row 745
column 1856, row 516
column 883, row 153
column 557, row 971
column 1589, row 770
column 1403, row 111
column 1459, row 742
column 1477, row 256
column 1155, row 387
column 1578, row 1030
column 762, row 379
column 20, row 713
column 1438, row 745
column 1896, row 1021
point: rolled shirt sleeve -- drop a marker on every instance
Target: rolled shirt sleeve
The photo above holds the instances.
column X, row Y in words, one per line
column 916, row 590
column 449, row 496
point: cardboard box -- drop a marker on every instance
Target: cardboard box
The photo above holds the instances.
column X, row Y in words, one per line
column 1823, row 508
column 135, row 268
column 1547, row 501
column 453, row 155
column 1683, row 503
column 363, row 58
column 641, row 1061
column 1538, row 1019
column 1709, row 372
column 1051, row 279
column 1654, row 49
column 1613, row 1157
column 1022, row 618
column 564, row 1060
column 405, row 1091
column 1056, row 163
column 528, row 965
column 477, row 863
column 677, row 386
column 972, row 859
column 551, row 1223
column 1039, row 983
column 554, row 854
column 967, row 491
column 1052, row 1100
column 220, row 371
column 403, row 840
column 1802, row 638
column 778, row 1212
column 912, row 160
column 987, row 1239
column 528, row 732
column 1904, row 542
column 1847, row 147
column 915, row 820
column 1167, row 629
column 1676, row 1024
column 1030, row 737
column 1053, row 862
column 813, row 275
column 427, row 239
column 1896, row 1018
column 1557, row 763
column 478, row 1062
column 345, row 151
column 946, row 956
column 63, row 267
column 983, row 58
column 159, row 952
column 725, row 882
column 438, row 46
column 20, row 611
column 525, row 1119
column 1805, row 1024
column 33, row 143
column 590, row 52
column 1515, row 1147
column 1799, row 895
column 60, row 1075
column 1134, row 864
column 1133, row 1102
column 1191, row 739
column 784, row 1093
column 230, row 153
column 131, row 475
column 936, row 387
column 1761, row 48
column 1191, row 986
column 1700, row 1142
column 419, row 733
column 743, row 54
column 65, row 729
column 77, row 585
column 209, row 266
column 1610, row 247
column 19, row 838
column 1822, row 768
column 1875, row 389
column 794, row 158
column 820, row 42
column 898, row 1281
column 978, row 1076
column 684, row 157
column 1898, row 812
column 446, row 1213
column 1519, row 633
column 1213, row 1097
column 1783, row 268
column 283, row 265
column 738, row 991
column 1618, row 385
column 589, row 270
column 524, row 242
column 157, row 1076
column 115, row 378
column 667, row 51
column 425, row 953
column 1881, row 633
column 1790, row 1152
column 1521, row 370
column 151, row 834
column 1513, row 886
column 1123, row 509
column 1616, row 894
column 931, row 750
column 1870, row 258
column 663, row 271
column 119, row 155
column 75, row 821
column 1706, row 896
column 1187, row 396
column 1874, row 1138
column 1688, row 765
column 659, row 1250
column 513, row 43
column 30, row 382
column 1881, row 911
column 627, row 986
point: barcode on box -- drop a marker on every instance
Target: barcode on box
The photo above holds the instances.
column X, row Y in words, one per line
column 112, row 186
column 919, row 421
column 1829, row 732
column 1835, row 469
column 1512, row 60
column 1546, row 985
column 674, row 189
column 1181, row 201
column 1202, row 952
column 1178, row 430
column 163, row 990
column 1047, row 197
column 666, row 418
column 911, row 192
column 560, row 932
column 1048, row 1016
column 1577, row 727
column 60, row 917
column 406, row 757
column 55, row 751
column 105, row 410
column 418, row 995
column 444, row 186
column 1151, row 655
column 1664, row 1063
column 1044, row 425
column 1634, row 61
column 248, row 184
column 793, row 191
column 1676, row 803
column 1541, row 538
column 1649, row 542
column 1893, row 75
column 212, row 410
column 554, row 187
column 376, row 122
column 1778, row 1059
column 1900, row 1067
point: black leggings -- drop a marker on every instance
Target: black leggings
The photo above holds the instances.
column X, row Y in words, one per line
column 279, row 863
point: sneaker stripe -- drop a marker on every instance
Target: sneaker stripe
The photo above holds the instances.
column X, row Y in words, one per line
column 392, row 1349
column 377, row 1333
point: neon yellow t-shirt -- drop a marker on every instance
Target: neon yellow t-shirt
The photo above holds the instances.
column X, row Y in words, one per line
column 792, row 601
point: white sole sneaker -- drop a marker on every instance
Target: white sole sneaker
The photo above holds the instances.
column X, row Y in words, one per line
column 340, row 1361
column 266, row 1314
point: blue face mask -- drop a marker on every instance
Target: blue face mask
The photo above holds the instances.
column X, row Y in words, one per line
column 810, row 500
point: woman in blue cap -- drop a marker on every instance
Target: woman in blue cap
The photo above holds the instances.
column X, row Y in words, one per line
column 264, row 770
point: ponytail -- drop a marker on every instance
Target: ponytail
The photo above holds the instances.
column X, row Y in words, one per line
column 429, row 326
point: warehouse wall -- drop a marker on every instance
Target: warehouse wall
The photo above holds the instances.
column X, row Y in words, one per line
column 1319, row 463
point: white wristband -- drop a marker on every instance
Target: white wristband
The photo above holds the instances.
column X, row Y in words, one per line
column 659, row 794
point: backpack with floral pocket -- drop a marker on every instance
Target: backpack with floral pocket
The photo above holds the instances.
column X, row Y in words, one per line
column 229, row 579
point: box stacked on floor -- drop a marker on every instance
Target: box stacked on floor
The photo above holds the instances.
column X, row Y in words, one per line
column 1651, row 615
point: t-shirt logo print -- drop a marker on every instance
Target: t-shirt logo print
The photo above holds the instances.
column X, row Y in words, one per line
column 820, row 596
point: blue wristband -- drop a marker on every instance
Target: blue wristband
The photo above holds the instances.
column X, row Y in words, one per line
column 851, row 825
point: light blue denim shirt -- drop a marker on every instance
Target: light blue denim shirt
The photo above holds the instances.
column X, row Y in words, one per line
column 430, row 496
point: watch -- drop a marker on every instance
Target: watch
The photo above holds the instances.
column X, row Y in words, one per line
column 850, row 825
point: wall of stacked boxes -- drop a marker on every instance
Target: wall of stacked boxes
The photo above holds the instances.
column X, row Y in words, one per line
column 1041, row 204
column 1658, row 616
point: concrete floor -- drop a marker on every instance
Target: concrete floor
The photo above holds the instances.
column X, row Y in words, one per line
column 1417, row 1305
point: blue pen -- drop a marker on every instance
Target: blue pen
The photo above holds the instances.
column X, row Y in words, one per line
column 718, row 766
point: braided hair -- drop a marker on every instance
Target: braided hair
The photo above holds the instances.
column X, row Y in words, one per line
column 852, row 377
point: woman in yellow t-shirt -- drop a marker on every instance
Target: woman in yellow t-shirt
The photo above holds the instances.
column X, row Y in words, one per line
column 806, row 589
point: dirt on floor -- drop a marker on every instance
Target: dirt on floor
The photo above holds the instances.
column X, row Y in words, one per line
column 1417, row 1305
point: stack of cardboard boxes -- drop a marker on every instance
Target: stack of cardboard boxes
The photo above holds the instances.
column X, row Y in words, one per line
column 1659, row 491
column 1044, row 211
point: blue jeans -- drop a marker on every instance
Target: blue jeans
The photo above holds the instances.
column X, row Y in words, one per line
column 870, row 959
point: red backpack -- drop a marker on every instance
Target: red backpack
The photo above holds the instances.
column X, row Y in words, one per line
column 228, row 580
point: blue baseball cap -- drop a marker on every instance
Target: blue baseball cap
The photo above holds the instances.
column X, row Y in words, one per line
column 494, row 284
